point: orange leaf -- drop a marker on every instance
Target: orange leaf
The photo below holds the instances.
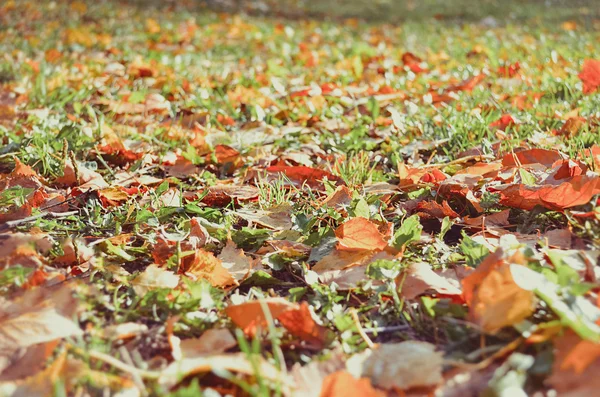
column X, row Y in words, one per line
column 532, row 156
column 497, row 301
column 360, row 234
column 250, row 316
column 300, row 323
column 342, row 384
column 576, row 366
column 590, row 76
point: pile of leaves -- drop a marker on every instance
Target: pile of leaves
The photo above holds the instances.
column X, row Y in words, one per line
column 196, row 203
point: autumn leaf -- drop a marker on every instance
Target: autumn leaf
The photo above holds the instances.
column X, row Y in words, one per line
column 154, row 277
column 360, row 234
column 301, row 174
column 299, row 322
column 37, row 316
column 575, row 368
column 420, row 279
column 250, row 316
column 494, row 298
column 404, row 365
column 590, row 75
column 343, row 384
column 532, row 156
column 204, row 265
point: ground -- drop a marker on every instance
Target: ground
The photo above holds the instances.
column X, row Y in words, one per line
column 299, row 199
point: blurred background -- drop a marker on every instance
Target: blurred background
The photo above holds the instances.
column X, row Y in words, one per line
column 399, row 10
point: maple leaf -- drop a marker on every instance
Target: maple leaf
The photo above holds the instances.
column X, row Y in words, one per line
column 360, row 234
column 590, row 75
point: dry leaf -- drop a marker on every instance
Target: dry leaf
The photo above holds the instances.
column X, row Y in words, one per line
column 420, row 278
column 234, row 362
column 235, row 261
column 204, row 265
column 342, row 384
column 154, row 277
column 495, row 300
column 576, row 366
column 404, row 365
column 249, row 316
column 360, row 234
column 299, row 322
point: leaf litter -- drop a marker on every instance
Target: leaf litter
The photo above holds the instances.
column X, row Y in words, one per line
column 250, row 206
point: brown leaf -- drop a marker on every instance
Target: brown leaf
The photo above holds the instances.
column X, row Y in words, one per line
column 420, row 279
column 432, row 209
column 235, row 261
column 154, row 277
column 497, row 219
column 404, row 365
column 360, row 234
column 232, row 362
column 37, row 316
column 576, row 191
column 339, row 199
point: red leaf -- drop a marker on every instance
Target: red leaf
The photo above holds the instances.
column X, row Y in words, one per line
column 505, row 121
column 301, row 174
column 578, row 190
column 532, row 156
column 590, row 76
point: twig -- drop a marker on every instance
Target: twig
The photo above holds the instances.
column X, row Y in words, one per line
column 391, row 328
column 133, row 371
column 360, row 329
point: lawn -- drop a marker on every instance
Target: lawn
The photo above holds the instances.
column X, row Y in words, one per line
column 292, row 198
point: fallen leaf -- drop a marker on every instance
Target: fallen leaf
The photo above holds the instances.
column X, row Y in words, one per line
column 432, row 209
column 233, row 362
column 301, row 174
column 342, row 384
column 38, row 315
column 299, row 322
column 249, row 316
column 203, row 265
column 404, row 365
column 495, row 300
column 277, row 218
column 590, row 75
column 154, row 277
column 420, row 279
column 235, row 261
column 575, row 367
column 532, row 156
column 576, row 191
column 360, row 234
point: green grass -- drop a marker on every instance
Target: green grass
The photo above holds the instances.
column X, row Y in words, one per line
column 316, row 89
